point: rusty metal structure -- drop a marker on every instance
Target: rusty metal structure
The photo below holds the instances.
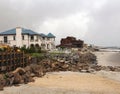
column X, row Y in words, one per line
column 71, row 42
column 11, row 60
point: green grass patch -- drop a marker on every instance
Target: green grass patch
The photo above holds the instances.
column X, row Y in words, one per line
column 37, row 54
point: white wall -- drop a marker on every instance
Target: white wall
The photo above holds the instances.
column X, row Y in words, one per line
column 1, row 39
column 11, row 42
column 25, row 41
column 50, row 42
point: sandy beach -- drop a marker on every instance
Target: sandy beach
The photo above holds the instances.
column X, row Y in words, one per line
column 108, row 58
column 70, row 83
column 102, row 82
column 89, row 83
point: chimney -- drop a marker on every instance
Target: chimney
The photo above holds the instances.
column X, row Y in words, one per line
column 18, row 36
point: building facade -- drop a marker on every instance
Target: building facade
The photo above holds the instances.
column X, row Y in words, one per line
column 71, row 42
column 21, row 37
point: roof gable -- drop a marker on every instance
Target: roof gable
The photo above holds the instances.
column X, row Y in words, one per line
column 50, row 35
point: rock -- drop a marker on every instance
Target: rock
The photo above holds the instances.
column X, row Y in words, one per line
column 84, row 71
column 3, row 68
column 32, row 75
column 28, row 68
column 19, row 70
column 91, row 70
column 61, row 61
column 65, row 66
column 1, row 87
column 17, row 78
column 2, row 82
column 67, row 61
column 105, row 68
column 117, row 69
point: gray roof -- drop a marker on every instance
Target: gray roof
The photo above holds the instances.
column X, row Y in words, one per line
column 43, row 35
column 13, row 32
column 26, row 31
column 50, row 35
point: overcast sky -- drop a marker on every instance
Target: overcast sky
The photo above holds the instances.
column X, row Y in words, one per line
column 95, row 21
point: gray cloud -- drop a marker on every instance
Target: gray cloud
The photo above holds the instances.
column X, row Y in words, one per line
column 34, row 12
column 104, row 29
column 95, row 21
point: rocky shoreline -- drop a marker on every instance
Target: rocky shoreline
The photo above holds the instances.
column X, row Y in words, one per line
column 76, row 62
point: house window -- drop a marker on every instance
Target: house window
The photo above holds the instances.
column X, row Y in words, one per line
column 5, row 39
column 23, row 37
column 14, row 37
column 32, row 37
column 43, row 38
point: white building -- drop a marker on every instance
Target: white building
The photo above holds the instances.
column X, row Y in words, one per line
column 21, row 37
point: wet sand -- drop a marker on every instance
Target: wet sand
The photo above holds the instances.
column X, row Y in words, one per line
column 108, row 58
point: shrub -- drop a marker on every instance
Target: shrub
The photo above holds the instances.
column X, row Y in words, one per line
column 31, row 49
